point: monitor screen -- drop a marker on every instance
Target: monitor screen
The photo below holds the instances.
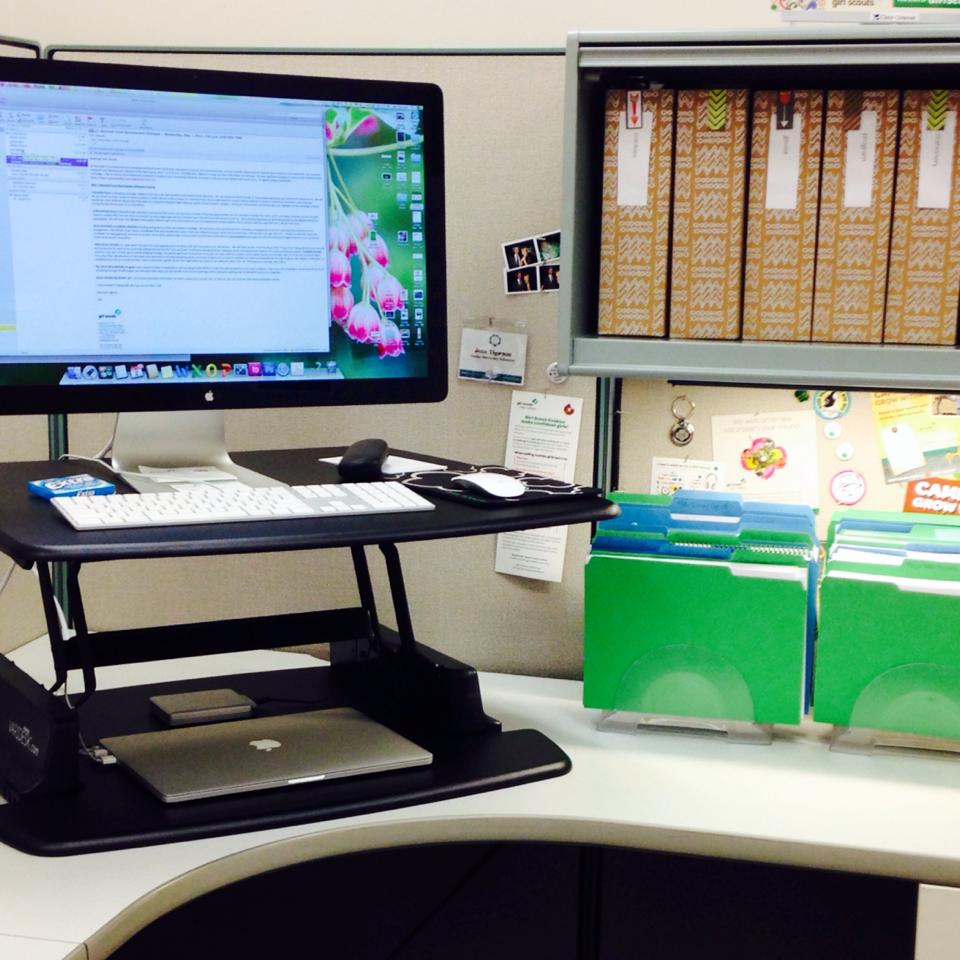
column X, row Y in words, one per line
column 185, row 239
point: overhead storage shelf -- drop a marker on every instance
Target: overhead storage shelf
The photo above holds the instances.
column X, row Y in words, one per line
column 896, row 56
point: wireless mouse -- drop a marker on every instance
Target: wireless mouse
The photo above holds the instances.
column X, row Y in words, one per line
column 363, row 460
column 492, row 484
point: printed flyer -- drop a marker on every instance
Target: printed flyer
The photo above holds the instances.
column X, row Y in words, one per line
column 770, row 457
column 542, row 438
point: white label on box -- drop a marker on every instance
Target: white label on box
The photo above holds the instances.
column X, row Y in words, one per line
column 783, row 164
column 935, row 176
column 859, row 160
column 633, row 162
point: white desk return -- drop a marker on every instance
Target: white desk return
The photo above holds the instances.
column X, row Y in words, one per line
column 793, row 802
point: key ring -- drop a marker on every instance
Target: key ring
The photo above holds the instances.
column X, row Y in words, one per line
column 681, row 433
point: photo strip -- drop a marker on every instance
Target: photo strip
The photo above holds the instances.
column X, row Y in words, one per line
column 521, row 280
column 549, row 276
column 520, row 253
column 548, row 247
column 532, row 264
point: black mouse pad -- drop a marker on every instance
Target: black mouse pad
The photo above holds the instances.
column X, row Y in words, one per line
column 440, row 483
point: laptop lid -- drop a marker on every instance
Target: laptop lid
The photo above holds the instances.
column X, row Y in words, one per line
column 218, row 759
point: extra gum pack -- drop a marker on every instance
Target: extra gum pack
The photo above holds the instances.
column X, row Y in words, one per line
column 78, row 485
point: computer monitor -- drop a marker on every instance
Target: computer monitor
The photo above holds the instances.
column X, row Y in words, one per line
column 196, row 240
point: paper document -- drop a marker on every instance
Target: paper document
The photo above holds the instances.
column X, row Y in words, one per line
column 198, row 474
column 542, row 438
column 394, row 466
column 771, row 457
column 669, row 474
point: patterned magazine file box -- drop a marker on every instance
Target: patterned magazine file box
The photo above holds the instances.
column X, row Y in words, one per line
column 782, row 215
column 888, row 657
column 924, row 273
column 856, row 203
column 635, row 218
column 710, row 163
column 709, row 623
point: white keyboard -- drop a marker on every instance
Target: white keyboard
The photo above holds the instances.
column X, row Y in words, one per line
column 209, row 504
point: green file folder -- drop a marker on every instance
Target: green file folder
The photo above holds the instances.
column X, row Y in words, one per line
column 891, row 528
column 888, row 652
column 695, row 638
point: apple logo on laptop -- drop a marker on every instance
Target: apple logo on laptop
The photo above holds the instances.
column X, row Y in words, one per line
column 267, row 745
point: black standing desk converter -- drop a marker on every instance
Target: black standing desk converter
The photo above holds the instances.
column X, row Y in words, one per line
column 64, row 804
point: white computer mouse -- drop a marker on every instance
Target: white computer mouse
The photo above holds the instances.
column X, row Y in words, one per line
column 492, row 484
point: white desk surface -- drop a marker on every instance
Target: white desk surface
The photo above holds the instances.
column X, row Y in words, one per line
column 792, row 802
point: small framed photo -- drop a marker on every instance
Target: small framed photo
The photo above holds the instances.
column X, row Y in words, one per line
column 549, row 276
column 548, row 246
column 521, row 280
column 520, row 253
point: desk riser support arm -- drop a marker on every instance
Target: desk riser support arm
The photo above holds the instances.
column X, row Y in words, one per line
column 54, row 630
column 371, row 644
column 398, row 593
column 81, row 640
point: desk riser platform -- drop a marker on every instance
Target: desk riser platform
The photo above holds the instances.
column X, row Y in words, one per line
column 73, row 806
column 108, row 809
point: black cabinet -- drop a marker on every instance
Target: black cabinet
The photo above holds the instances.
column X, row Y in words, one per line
column 521, row 901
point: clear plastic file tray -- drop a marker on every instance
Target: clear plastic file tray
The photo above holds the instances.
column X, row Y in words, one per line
column 699, row 615
column 888, row 656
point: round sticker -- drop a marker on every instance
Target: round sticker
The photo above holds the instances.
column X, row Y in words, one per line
column 831, row 404
column 845, row 451
column 848, row 487
column 832, row 430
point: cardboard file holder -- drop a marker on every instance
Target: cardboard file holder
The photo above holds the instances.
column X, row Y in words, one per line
column 856, row 205
column 782, row 215
column 635, row 219
column 924, row 274
column 708, row 201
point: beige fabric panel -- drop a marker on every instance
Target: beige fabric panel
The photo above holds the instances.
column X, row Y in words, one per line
column 21, row 617
column 414, row 25
column 11, row 50
column 647, row 420
column 503, row 158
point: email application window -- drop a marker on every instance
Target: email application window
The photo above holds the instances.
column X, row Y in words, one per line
column 161, row 224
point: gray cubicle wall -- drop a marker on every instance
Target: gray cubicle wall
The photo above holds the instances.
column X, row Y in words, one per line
column 12, row 47
column 21, row 619
column 503, row 143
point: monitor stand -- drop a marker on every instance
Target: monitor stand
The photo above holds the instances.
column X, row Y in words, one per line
column 181, row 438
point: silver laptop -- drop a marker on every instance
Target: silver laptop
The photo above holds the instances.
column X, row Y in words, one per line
column 217, row 759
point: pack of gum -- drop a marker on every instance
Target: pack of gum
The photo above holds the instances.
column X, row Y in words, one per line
column 78, row 485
